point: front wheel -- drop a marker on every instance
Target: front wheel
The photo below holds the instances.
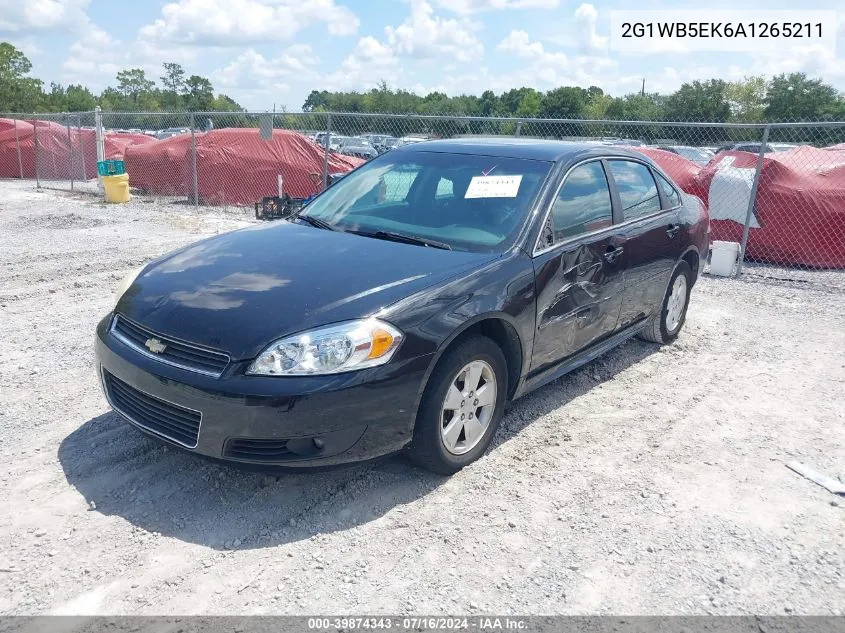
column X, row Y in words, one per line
column 461, row 407
column 665, row 326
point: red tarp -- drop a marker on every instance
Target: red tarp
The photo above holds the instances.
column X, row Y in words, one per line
column 234, row 166
column 62, row 155
column 115, row 143
column 681, row 170
column 799, row 215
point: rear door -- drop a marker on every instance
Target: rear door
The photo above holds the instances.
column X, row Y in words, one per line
column 653, row 232
column 579, row 264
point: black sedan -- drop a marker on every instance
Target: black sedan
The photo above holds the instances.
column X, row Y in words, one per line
column 404, row 306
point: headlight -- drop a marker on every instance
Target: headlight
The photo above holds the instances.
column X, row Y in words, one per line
column 123, row 286
column 329, row 350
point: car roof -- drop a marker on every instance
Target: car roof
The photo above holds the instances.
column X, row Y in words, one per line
column 536, row 149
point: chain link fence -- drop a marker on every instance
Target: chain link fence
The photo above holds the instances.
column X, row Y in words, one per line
column 775, row 190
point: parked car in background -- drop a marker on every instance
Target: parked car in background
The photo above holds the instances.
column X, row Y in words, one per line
column 696, row 154
column 754, row 148
column 383, row 142
column 407, row 140
column 172, row 131
column 403, row 312
column 353, row 146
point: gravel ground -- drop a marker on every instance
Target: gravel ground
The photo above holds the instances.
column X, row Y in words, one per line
column 652, row 481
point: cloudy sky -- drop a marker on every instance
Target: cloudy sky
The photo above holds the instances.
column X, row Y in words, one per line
column 265, row 52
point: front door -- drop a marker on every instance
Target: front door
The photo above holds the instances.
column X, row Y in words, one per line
column 579, row 268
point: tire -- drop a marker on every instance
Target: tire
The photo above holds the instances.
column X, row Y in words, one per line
column 437, row 422
column 660, row 328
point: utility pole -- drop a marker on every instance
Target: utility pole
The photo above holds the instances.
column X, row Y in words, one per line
column 643, row 90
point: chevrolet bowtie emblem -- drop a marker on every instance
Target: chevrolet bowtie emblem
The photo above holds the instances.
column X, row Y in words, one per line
column 155, row 346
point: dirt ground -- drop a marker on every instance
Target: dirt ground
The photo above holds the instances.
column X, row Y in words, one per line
column 652, row 481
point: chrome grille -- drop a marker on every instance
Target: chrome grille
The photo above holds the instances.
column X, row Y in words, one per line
column 177, row 352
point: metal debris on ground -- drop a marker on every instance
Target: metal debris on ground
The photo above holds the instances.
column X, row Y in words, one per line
column 829, row 483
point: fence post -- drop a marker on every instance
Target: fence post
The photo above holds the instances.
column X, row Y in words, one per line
column 101, row 145
column 752, row 200
column 70, row 150
column 37, row 162
column 81, row 144
column 194, row 161
column 518, row 128
column 326, row 143
column 18, row 145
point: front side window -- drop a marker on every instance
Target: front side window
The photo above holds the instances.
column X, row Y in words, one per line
column 583, row 203
column 637, row 189
column 468, row 201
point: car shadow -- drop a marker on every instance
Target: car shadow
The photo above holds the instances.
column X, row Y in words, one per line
column 557, row 393
column 122, row 472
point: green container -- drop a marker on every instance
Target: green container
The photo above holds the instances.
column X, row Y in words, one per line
column 111, row 167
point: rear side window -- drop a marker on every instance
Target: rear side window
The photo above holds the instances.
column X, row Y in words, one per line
column 637, row 190
column 583, row 203
column 673, row 198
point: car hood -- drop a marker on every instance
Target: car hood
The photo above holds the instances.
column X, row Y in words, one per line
column 241, row 290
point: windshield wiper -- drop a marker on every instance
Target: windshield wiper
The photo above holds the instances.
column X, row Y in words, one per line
column 406, row 239
column 317, row 222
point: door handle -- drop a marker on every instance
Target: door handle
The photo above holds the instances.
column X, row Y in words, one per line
column 673, row 230
column 612, row 254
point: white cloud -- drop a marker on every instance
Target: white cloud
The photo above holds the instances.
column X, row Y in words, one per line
column 519, row 43
column 466, row 7
column 34, row 16
column 239, row 22
column 425, row 35
column 86, row 58
column 370, row 63
column 97, row 57
column 589, row 40
column 251, row 69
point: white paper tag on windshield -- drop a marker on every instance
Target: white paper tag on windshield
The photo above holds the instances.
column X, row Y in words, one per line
column 493, row 187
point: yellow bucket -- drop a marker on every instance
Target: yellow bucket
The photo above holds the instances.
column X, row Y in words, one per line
column 117, row 188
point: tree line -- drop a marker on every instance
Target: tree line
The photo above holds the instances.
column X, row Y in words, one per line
column 786, row 97
column 134, row 91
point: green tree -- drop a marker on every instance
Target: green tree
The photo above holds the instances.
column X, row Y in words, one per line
column 55, row 100
column 597, row 105
column 317, row 100
column 795, row 97
column 134, row 86
column 488, row 104
column 747, row 99
column 79, row 98
column 199, row 94
column 564, row 103
column 173, row 81
column 224, row 103
column 699, row 101
column 530, row 104
column 18, row 93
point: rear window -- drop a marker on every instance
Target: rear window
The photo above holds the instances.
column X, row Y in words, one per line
column 672, row 195
column 637, row 189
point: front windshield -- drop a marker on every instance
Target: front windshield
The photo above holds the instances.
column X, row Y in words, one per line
column 470, row 202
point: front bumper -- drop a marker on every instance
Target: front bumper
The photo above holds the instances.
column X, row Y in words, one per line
column 296, row 422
